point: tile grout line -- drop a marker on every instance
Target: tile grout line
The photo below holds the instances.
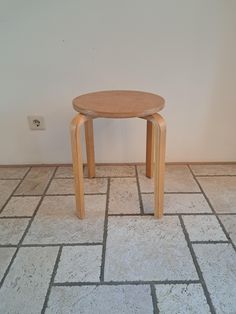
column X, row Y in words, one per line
column 165, row 214
column 198, row 214
column 166, row 192
column 197, row 267
column 27, row 229
column 215, row 175
column 139, row 191
column 154, row 299
column 118, row 164
column 190, row 214
column 137, row 214
column 92, row 244
column 52, row 279
column 73, row 194
column 213, row 210
column 171, row 214
column 222, row 214
column 99, row 193
column 124, row 283
column 96, row 177
column 128, row 215
column 8, row 246
column 12, row 179
column 56, row 194
column 15, row 217
column 173, row 192
column 12, row 194
column 105, row 231
column 209, row 242
column 63, row 244
column 53, row 244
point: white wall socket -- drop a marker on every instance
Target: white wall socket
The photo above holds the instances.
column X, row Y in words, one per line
column 36, row 122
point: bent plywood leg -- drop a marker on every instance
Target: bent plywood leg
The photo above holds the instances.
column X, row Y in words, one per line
column 90, row 147
column 159, row 169
column 77, row 159
column 149, row 150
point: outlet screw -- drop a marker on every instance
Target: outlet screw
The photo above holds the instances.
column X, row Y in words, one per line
column 36, row 122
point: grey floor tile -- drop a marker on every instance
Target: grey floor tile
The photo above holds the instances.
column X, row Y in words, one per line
column 6, row 189
column 221, row 192
column 21, row 206
column 67, row 172
column 26, row 284
column 229, row 169
column 178, row 203
column 181, row 299
column 204, row 228
column 56, row 221
column 36, row 181
column 66, row 186
column 148, row 203
column 6, row 254
column 178, row 178
column 218, row 265
column 79, row 263
column 229, row 222
column 114, row 171
column 101, row 171
column 95, row 185
column 64, row 172
column 138, row 248
column 144, row 248
column 13, row 172
column 146, row 184
column 101, row 300
column 61, row 186
column 11, row 230
column 124, row 197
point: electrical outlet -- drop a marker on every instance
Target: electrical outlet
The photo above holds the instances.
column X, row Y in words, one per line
column 36, row 122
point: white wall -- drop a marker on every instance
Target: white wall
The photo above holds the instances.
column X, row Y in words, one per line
column 54, row 50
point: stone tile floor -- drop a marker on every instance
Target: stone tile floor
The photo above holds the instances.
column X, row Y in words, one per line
column 119, row 259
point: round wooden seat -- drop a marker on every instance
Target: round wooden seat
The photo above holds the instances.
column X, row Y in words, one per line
column 118, row 104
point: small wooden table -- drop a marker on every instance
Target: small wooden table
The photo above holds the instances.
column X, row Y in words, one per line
column 119, row 104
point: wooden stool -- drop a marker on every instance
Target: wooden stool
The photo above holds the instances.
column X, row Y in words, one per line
column 119, row 104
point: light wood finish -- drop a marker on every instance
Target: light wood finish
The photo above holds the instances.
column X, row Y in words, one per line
column 159, row 169
column 77, row 159
column 118, row 104
column 89, row 137
column 149, row 150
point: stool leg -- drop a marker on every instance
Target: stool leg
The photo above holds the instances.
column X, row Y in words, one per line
column 149, row 150
column 77, row 159
column 90, row 147
column 159, row 170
